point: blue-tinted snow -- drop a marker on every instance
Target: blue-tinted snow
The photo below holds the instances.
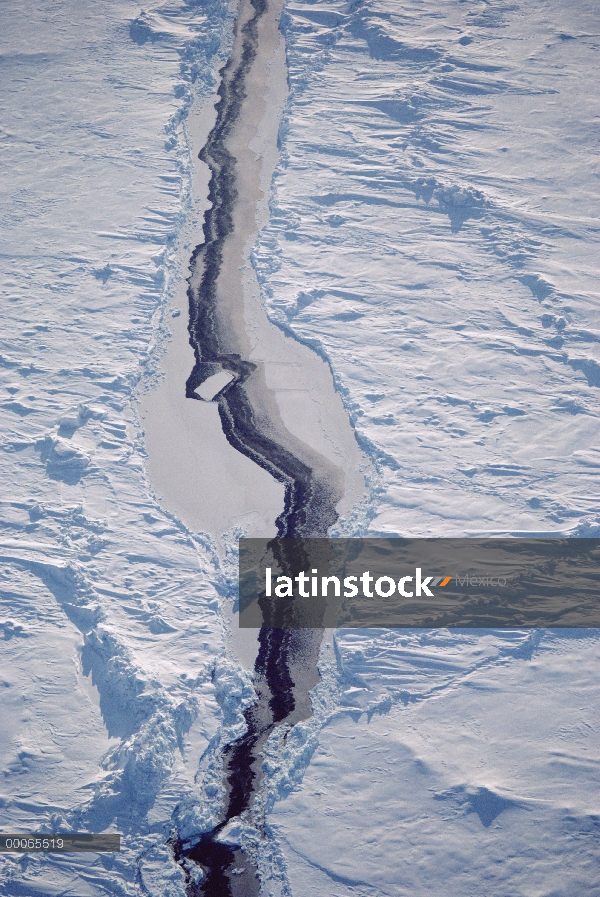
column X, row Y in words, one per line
column 487, row 787
column 434, row 234
column 109, row 606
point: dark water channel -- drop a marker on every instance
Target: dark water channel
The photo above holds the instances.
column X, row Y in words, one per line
column 286, row 664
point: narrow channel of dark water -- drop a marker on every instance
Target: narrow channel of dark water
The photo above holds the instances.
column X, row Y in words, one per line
column 303, row 509
column 309, row 508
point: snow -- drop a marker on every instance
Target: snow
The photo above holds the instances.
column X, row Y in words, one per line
column 458, row 790
column 444, row 761
column 433, row 236
column 109, row 605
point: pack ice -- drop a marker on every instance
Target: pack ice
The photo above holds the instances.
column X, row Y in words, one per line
column 433, row 235
column 109, row 609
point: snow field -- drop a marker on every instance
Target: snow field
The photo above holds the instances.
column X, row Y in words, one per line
column 434, row 236
column 109, row 605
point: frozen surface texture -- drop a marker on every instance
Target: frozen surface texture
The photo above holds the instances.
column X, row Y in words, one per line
column 460, row 763
column 109, row 606
column 434, row 236
column 434, row 233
